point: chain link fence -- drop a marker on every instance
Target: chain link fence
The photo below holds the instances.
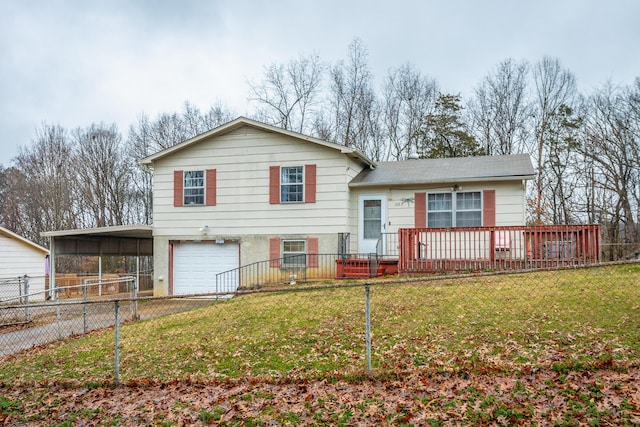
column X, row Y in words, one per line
column 14, row 288
column 38, row 318
column 529, row 320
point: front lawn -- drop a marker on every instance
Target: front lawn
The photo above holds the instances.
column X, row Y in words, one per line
column 503, row 333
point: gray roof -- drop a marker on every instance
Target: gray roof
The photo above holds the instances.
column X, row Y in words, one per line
column 456, row 169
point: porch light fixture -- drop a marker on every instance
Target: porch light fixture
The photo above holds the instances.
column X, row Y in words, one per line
column 204, row 230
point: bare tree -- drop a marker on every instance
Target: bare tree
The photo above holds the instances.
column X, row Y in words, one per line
column 217, row 114
column 553, row 125
column 353, row 107
column 141, row 144
column 3, row 192
column 288, row 93
column 499, row 109
column 41, row 186
column 408, row 98
column 610, row 146
column 12, row 216
column 105, row 176
column 561, row 169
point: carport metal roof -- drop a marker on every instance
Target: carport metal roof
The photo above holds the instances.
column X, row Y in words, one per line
column 121, row 240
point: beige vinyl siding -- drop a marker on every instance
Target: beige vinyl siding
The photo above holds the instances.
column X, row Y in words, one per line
column 243, row 212
column 242, row 161
column 19, row 259
column 510, row 204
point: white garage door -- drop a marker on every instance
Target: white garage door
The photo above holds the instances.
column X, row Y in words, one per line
column 195, row 266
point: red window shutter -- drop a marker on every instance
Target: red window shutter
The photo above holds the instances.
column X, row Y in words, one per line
column 211, row 187
column 274, row 185
column 178, row 194
column 312, row 252
column 420, row 210
column 489, row 208
column 274, row 252
column 310, row 183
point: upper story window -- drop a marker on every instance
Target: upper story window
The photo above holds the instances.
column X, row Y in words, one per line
column 458, row 209
column 193, row 187
column 291, row 184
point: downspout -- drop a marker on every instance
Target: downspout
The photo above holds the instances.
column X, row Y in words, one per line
column 347, row 205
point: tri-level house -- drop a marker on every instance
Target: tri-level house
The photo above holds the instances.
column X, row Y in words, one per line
column 247, row 193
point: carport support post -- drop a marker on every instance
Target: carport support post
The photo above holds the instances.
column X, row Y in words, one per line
column 52, row 267
column 367, row 314
column 53, row 286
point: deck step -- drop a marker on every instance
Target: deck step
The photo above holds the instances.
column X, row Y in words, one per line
column 359, row 268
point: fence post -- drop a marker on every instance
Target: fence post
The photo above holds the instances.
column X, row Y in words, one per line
column 367, row 314
column 134, row 298
column 84, row 306
column 26, row 298
column 117, row 344
column 57, row 296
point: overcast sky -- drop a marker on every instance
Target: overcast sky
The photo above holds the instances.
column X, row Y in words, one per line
column 74, row 63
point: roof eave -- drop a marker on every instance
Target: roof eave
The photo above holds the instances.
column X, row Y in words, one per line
column 98, row 230
column 448, row 181
column 242, row 121
column 22, row 240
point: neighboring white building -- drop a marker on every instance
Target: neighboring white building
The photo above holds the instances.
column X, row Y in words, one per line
column 20, row 257
column 246, row 192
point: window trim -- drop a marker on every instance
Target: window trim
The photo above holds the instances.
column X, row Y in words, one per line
column 454, row 210
column 203, row 188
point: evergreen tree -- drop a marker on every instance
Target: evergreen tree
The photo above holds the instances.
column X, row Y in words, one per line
column 444, row 133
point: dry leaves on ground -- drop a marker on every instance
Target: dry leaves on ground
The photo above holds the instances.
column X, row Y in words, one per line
column 600, row 397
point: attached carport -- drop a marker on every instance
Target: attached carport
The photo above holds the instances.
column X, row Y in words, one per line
column 123, row 240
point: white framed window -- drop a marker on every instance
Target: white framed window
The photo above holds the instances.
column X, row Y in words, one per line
column 193, row 187
column 294, row 253
column 458, row 209
column 292, row 184
column 439, row 210
column 468, row 212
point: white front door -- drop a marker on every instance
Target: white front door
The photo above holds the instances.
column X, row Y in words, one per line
column 372, row 215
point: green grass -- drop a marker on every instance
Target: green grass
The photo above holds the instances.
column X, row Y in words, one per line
column 574, row 320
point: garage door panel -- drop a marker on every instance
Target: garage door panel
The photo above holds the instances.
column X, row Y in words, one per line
column 195, row 266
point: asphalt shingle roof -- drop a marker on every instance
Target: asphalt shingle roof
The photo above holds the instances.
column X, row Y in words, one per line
column 458, row 169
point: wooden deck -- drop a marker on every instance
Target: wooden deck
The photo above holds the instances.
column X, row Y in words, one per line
column 432, row 250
